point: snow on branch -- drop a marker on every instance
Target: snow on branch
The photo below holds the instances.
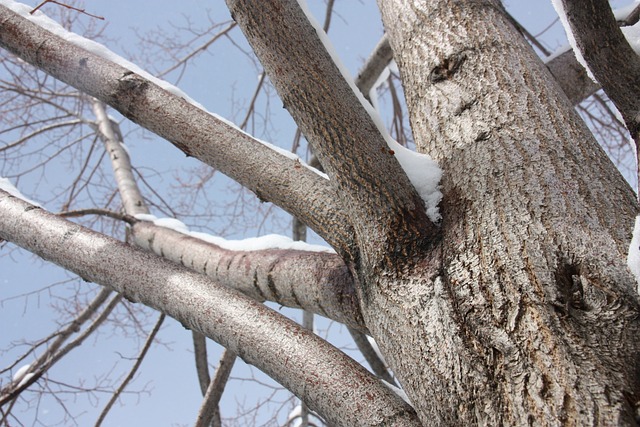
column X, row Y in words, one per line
column 165, row 110
column 275, row 269
column 328, row 381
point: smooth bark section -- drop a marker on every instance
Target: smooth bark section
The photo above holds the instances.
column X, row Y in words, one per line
column 270, row 175
column 209, row 413
column 611, row 59
column 327, row 380
column 315, row 281
column 386, row 212
column 111, row 136
column 533, row 294
column 379, row 59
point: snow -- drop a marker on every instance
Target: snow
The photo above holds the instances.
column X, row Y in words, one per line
column 7, row 186
column 632, row 33
column 375, row 347
column 20, row 372
column 102, row 51
column 633, row 258
column 423, row 172
column 397, row 390
column 270, row 241
column 25, row 379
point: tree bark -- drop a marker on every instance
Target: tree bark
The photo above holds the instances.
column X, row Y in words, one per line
column 270, row 175
column 331, row 383
column 532, row 293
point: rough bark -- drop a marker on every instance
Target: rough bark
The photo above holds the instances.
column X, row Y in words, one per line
column 384, row 209
column 329, row 382
column 272, row 176
column 532, row 293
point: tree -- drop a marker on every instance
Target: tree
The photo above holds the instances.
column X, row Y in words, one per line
column 516, row 307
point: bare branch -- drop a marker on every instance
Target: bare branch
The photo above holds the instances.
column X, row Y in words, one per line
column 332, row 384
column 110, row 134
column 211, row 401
column 375, row 64
column 272, row 176
column 609, row 56
column 133, row 370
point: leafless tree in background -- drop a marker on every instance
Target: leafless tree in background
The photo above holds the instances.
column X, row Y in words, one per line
column 516, row 308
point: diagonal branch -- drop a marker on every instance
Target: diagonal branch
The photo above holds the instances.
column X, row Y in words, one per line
column 198, row 133
column 328, row 381
column 608, row 55
column 384, row 206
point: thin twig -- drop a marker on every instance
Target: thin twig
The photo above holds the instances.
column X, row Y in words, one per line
column 134, row 369
column 68, row 7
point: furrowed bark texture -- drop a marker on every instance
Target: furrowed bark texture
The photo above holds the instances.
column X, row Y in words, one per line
column 385, row 211
column 533, row 317
column 328, row 381
column 314, row 281
column 270, row 175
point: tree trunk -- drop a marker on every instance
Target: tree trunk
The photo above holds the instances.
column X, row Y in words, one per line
column 525, row 313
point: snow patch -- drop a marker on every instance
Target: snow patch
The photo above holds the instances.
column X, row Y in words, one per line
column 397, row 390
column 20, row 372
column 633, row 258
column 102, row 51
column 7, row 186
column 423, row 172
column 270, row 241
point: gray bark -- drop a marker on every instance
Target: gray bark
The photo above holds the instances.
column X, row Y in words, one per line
column 272, row 176
column 532, row 290
column 315, row 281
column 611, row 59
column 329, row 382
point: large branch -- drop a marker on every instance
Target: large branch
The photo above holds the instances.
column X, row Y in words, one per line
column 315, row 281
column 609, row 56
column 386, row 210
column 328, row 381
column 272, row 176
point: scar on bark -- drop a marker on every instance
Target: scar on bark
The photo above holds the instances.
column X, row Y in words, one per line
column 447, row 68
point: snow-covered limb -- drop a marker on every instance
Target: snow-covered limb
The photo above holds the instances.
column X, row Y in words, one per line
column 315, row 281
column 172, row 115
column 380, row 199
column 331, row 383
column 609, row 57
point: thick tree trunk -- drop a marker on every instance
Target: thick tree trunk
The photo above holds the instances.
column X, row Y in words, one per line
column 532, row 318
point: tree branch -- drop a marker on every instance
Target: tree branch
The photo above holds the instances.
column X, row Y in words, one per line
column 383, row 205
column 211, row 401
column 374, row 65
column 609, row 56
column 269, row 174
column 315, row 281
column 329, row 382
